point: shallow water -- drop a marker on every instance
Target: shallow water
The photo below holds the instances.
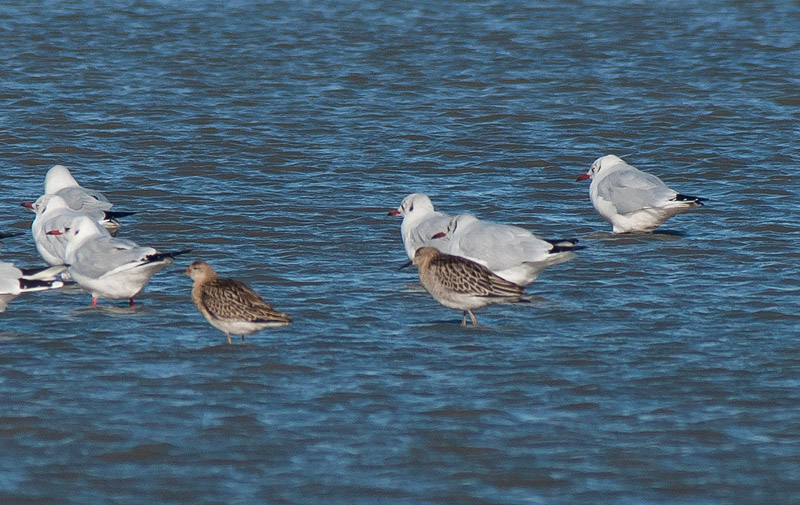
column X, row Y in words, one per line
column 272, row 138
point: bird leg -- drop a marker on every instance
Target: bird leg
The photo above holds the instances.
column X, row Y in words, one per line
column 242, row 339
column 94, row 302
column 130, row 302
column 229, row 337
column 471, row 315
column 464, row 319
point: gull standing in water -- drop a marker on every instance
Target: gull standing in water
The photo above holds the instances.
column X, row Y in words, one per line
column 53, row 213
column 229, row 305
column 54, row 204
column 511, row 252
column 462, row 284
column 420, row 223
column 632, row 200
column 59, row 181
column 109, row 267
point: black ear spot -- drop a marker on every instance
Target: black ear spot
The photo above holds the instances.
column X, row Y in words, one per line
column 411, row 208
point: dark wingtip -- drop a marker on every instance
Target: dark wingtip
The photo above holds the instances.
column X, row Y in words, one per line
column 32, row 271
column 110, row 214
column 565, row 245
column 152, row 258
column 35, row 283
column 688, row 198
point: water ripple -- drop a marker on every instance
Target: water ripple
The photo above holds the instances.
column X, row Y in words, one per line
column 273, row 137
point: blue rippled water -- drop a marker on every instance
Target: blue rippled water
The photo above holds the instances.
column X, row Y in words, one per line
column 273, row 137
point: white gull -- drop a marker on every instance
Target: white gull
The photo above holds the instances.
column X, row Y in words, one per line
column 511, row 252
column 109, row 267
column 53, row 213
column 59, row 181
column 632, row 200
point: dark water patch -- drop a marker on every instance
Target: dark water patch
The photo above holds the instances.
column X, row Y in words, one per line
column 280, row 368
column 139, row 453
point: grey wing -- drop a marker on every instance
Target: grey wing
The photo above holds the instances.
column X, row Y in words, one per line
column 84, row 199
column 98, row 257
column 55, row 245
column 632, row 190
column 499, row 246
column 421, row 236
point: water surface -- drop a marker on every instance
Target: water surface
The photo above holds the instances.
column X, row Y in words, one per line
column 273, row 137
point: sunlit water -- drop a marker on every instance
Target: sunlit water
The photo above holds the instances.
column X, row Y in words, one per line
column 273, row 138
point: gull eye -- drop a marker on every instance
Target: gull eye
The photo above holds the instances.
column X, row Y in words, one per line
column 411, row 208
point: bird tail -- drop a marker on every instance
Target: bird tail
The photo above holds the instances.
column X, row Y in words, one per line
column 277, row 318
column 565, row 245
column 501, row 288
column 696, row 200
column 42, row 273
column 114, row 215
column 509, row 298
column 39, row 284
column 155, row 258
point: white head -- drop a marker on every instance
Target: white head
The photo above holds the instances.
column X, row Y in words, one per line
column 58, row 178
column 48, row 203
column 79, row 229
column 602, row 163
column 416, row 204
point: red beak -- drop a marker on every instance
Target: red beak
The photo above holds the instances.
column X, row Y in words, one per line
column 441, row 234
column 583, row 177
column 27, row 205
column 393, row 212
column 54, row 232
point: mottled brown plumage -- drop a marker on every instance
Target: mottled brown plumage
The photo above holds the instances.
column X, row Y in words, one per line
column 462, row 284
column 229, row 305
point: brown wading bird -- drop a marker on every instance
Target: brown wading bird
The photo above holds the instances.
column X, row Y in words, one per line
column 462, row 284
column 229, row 305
